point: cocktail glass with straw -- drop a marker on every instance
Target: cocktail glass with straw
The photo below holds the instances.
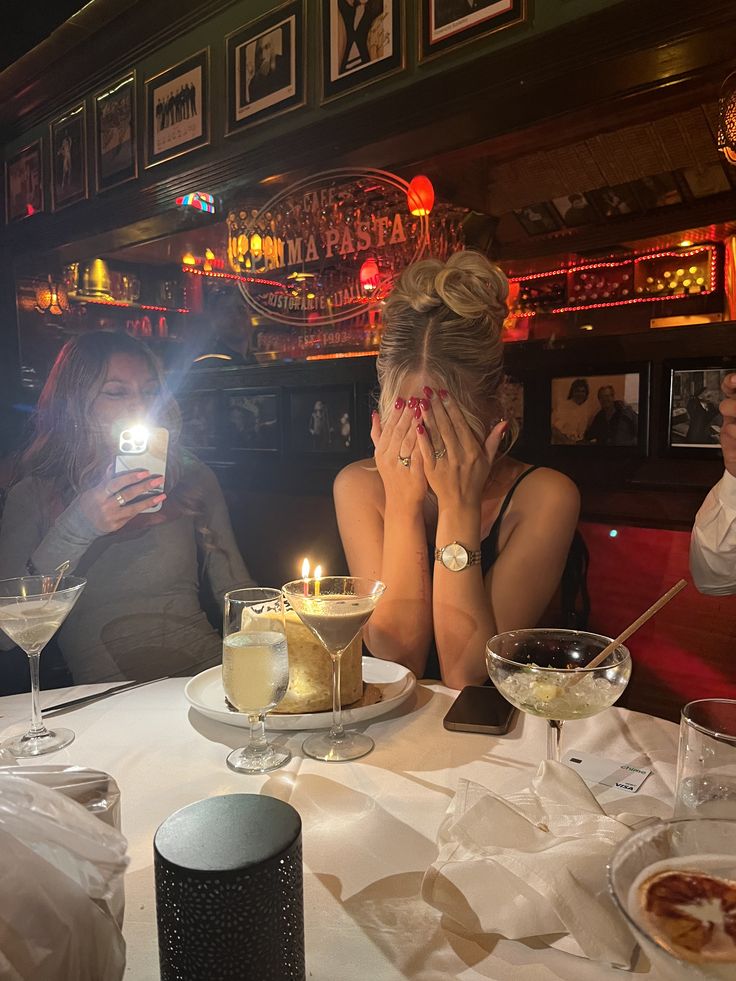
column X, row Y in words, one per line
column 32, row 608
column 564, row 674
column 335, row 609
column 535, row 671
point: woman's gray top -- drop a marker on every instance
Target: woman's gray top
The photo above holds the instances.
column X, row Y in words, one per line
column 139, row 616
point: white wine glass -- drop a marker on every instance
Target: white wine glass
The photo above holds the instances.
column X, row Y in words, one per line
column 543, row 672
column 255, row 671
column 32, row 608
column 335, row 609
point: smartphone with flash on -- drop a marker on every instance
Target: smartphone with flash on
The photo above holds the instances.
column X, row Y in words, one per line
column 480, row 708
column 141, row 448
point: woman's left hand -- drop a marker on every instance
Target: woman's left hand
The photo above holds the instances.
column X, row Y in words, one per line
column 456, row 465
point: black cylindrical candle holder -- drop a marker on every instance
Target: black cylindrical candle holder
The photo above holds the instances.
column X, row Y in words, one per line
column 229, row 892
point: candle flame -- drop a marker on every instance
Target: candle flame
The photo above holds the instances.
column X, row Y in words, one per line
column 305, row 569
column 318, row 572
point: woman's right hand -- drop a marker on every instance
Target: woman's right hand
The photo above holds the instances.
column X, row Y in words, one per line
column 404, row 485
column 106, row 506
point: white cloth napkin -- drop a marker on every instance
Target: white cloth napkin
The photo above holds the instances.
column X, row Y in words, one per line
column 532, row 864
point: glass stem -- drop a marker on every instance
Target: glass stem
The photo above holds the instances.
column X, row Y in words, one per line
column 257, row 742
column 554, row 731
column 37, row 726
column 336, row 732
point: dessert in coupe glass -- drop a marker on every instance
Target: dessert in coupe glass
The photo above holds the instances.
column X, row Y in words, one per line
column 335, row 609
column 675, row 884
column 255, row 670
column 32, row 608
column 543, row 672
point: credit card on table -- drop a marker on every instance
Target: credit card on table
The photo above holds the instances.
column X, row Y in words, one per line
column 597, row 769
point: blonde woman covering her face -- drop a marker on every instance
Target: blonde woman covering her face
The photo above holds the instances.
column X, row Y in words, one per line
column 439, row 477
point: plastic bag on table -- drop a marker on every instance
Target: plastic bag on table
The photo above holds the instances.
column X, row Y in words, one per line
column 93, row 789
column 61, row 873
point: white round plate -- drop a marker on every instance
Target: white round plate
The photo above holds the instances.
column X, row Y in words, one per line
column 204, row 693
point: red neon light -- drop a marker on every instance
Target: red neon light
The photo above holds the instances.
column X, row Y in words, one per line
column 233, row 276
column 132, row 306
column 645, row 257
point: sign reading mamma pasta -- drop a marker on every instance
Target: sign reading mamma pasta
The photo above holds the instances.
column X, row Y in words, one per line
column 328, row 249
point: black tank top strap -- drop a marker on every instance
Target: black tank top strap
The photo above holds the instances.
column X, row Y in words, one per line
column 489, row 545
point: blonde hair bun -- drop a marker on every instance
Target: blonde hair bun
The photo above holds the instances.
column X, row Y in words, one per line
column 468, row 285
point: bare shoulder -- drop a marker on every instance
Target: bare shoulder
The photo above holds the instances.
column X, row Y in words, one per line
column 546, row 490
column 358, row 481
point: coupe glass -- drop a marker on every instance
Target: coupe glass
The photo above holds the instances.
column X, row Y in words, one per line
column 31, row 611
column 335, row 609
column 679, row 924
column 255, row 671
column 543, row 672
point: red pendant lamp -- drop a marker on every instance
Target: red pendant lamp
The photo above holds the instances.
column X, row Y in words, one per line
column 420, row 196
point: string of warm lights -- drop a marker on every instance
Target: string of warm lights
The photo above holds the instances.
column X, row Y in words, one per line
column 212, row 274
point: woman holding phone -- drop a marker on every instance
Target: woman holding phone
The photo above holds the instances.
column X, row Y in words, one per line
column 145, row 558
column 469, row 541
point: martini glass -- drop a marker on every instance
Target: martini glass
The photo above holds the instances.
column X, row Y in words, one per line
column 335, row 609
column 543, row 672
column 32, row 608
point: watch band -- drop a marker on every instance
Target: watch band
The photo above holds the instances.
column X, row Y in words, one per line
column 473, row 556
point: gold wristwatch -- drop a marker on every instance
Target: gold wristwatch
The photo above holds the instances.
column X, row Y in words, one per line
column 456, row 557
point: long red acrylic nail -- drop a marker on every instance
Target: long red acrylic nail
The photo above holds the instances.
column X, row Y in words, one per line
column 417, row 413
column 420, row 429
column 424, row 404
column 443, row 394
column 428, row 391
column 413, row 402
column 399, row 403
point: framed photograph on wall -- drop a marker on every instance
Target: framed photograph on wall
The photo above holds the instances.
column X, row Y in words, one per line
column 322, row 420
column 200, row 419
column 116, row 151
column 69, row 158
column 447, row 23
column 265, row 67
column 361, row 43
column 694, row 395
column 537, row 219
column 602, row 410
column 575, row 209
column 253, row 419
column 614, row 201
column 178, row 110
column 24, row 183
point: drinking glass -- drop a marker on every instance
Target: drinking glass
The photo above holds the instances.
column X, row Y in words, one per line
column 255, row 671
column 32, row 608
column 678, row 919
column 335, row 609
column 543, row 672
column 706, row 761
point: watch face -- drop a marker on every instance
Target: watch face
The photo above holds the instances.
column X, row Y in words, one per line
column 454, row 557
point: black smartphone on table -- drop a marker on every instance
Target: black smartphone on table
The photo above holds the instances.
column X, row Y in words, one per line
column 480, row 708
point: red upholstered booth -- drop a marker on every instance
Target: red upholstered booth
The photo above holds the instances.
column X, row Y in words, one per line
column 688, row 650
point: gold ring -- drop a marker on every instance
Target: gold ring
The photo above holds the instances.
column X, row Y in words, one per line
column 438, row 454
column 120, row 499
column 405, row 461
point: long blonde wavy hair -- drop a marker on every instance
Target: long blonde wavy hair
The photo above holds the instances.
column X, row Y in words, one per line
column 445, row 319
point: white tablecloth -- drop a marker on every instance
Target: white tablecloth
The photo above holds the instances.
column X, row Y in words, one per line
column 369, row 827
